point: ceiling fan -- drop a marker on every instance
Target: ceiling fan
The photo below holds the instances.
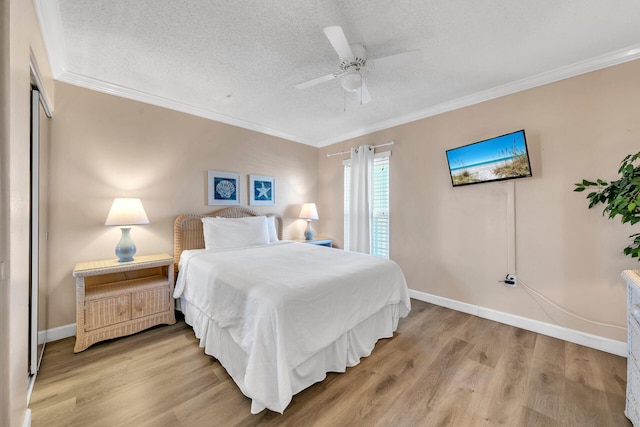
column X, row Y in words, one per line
column 353, row 60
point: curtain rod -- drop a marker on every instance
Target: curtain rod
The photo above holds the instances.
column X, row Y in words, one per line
column 347, row 152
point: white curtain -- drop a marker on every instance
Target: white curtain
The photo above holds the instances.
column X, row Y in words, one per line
column 361, row 209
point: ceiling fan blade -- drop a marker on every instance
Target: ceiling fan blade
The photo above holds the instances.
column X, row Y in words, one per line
column 397, row 58
column 318, row 80
column 338, row 41
column 364, row 93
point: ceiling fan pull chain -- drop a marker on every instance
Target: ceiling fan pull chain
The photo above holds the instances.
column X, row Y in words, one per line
column 344, row 101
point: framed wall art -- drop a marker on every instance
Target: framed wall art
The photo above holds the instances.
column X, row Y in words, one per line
column 224, row 189
column 262, row 190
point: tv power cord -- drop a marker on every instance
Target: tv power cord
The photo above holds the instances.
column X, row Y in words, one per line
column 509, row 280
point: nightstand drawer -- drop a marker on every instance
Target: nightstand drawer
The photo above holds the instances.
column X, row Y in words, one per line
column 633, row 337
column 150, row 301
column 633, row 296
column 107, row 311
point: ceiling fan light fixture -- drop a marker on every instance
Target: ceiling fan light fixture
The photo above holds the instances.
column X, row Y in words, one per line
column 351, row 82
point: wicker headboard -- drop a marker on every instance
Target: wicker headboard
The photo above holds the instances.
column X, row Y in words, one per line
column 187, row 228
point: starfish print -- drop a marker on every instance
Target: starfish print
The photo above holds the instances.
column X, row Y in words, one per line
column 263, row 192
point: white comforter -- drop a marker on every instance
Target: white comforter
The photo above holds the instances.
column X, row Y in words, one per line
column 283, row 302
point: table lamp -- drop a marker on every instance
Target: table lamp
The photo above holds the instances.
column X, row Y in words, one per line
column 309, row 213
column 126, row 212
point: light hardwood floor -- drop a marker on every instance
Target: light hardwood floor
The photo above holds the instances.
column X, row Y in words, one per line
column 442, row 368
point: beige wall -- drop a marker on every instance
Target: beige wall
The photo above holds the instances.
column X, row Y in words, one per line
column 5, row 390
column 105, row 146
column 24, row 41
column 453, row 242
column 449, row 242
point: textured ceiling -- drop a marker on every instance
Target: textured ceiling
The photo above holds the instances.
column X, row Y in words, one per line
column 238, row 61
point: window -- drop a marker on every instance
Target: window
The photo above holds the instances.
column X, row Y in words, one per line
column 380, row 221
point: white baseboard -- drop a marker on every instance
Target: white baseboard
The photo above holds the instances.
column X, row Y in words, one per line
column 588, row 340
column 56, row 334
column 27, row 418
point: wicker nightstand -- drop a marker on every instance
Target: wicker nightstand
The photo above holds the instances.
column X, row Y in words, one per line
column 115, row 299
column 317, row 241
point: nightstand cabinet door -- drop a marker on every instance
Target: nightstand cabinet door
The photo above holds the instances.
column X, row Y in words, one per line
column 106, row 311
column 150, row 301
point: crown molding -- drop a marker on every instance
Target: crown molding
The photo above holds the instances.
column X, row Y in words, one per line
column 608, row 60
column 50, row 23
column 136, row 95
column 48, row 13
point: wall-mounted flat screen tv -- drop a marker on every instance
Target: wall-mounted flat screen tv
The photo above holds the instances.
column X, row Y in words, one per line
column 496, row 159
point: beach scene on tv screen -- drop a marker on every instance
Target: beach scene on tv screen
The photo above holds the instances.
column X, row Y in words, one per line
column 498, row 158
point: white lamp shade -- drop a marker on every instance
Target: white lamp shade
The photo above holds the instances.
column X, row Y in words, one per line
column 308, row 211
column 126, row 211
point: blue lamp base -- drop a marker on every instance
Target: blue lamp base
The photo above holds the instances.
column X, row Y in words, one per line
column 308, row 232
column 126, row 249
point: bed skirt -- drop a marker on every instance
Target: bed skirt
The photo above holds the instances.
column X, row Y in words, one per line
column 344, row 352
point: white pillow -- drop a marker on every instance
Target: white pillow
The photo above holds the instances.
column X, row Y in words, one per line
column 228, row 233
column 273, row 231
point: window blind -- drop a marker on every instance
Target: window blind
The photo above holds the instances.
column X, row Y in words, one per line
column 380, row 225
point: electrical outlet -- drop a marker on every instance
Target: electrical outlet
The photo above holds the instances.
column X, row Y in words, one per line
column 511, row 278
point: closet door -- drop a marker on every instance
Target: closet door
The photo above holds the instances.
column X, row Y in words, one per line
column 38, row 292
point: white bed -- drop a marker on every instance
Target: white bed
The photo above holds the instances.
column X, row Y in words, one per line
column 279, row 315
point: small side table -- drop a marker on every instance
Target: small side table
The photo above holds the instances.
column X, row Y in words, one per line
column 317, row 241
column 114, row 299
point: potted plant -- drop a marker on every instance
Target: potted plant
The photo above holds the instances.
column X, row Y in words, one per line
column 620, row 197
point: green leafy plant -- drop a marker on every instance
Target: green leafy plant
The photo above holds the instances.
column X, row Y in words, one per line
column 620, row 197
